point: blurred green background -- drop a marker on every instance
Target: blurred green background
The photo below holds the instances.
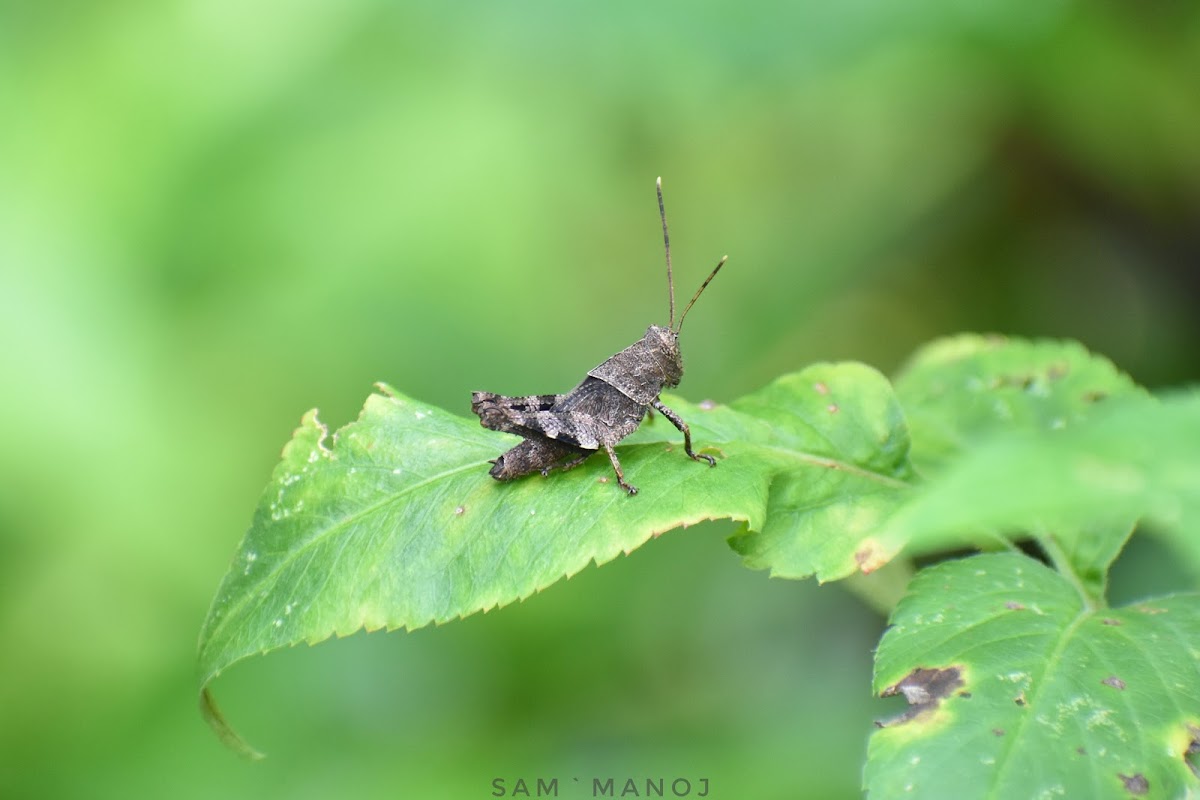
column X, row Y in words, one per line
column 215, row 215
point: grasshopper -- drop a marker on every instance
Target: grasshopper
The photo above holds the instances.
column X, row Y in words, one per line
column 561, row 431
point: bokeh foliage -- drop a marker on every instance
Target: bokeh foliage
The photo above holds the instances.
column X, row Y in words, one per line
column 215, row 215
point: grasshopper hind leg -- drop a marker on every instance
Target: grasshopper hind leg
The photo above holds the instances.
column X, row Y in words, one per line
column 536, row 455
column 568, row 465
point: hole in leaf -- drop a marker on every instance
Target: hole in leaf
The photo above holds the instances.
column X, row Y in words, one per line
column 924, row 689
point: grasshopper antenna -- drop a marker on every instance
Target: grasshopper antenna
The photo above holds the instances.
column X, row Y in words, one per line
column 662, row 212
column 699, row 291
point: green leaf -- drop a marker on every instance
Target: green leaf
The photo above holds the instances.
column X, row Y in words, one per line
column 1134, row 459
column 962, row 389
column 841, row 435
column 1019, row 690
column 966, row 391
column 395, row 523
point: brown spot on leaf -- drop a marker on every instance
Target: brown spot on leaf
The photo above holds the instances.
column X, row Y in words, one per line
column 1020, row 699
column 998, row 731
column 1057, row 370
column 863, row 556
column 1115, row 682
column 1135, row 784
column 965, row 695
column 1081, row 751
column 1110, row 621
column 1151, row 610
column 821, row 388
column 832, row 408
column 1094, row 396
column 1191, row 756
column 869, row 558
column 924, row 689
column 602, row 479
column 458, row 512
column 1012, row 605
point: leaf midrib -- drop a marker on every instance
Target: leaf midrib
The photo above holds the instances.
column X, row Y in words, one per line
column 1051, row 663
column 318, row 538
column 313, row 541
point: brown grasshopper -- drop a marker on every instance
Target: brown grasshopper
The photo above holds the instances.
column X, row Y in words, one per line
column 562, row 430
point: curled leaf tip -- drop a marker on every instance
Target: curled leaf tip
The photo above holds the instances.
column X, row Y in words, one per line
column 228, row 736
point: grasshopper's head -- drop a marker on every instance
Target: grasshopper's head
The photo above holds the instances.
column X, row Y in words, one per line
column 664, row 349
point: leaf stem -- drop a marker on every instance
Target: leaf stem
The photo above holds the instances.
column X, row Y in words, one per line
column 1062, row 564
